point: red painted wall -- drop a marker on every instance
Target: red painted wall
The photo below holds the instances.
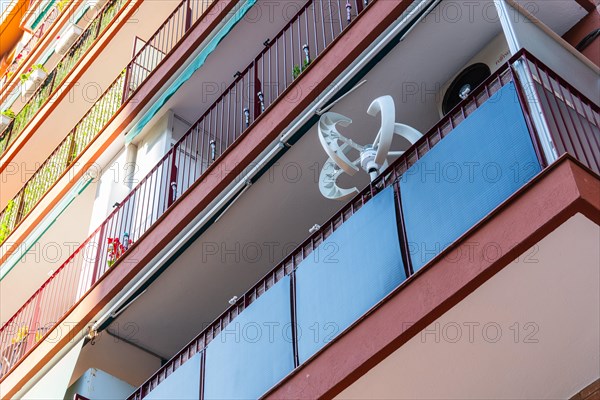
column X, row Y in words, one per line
column 588, row 24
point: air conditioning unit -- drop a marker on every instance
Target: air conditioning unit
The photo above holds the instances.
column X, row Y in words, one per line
column 67, row 38
column 477, row 70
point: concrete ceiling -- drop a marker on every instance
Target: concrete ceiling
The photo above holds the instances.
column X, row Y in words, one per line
column 535, row 332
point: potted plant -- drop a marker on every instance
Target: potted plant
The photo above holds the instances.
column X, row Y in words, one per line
column 37, row 73
column 32, row 79
column 116, row 249
column 62, row 4
column 66, row 39
column 297, row 70
column 6, row 117
column 21, row 334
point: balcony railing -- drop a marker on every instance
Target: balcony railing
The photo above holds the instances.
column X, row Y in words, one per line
column 208, row 138
column 49, row 19
column 94, row 121
column 55, row 78
column 582, row 133
column 181, row 167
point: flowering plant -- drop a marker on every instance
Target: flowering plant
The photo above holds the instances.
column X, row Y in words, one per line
column 116, row 249
column 21, row 334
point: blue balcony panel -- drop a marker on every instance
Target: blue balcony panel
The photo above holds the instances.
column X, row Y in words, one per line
column 182, row 384
column 255, row 351
column 483, row 161
column 352, row 270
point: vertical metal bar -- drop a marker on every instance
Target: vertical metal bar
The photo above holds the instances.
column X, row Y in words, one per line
column 527, row 114
column 544, row 119
column 285, row 67
column 584, row 132
column 331, row 19
column 559, row 131
column 590, row 121
column 315, row 28
column 277, row 65
column 572, row 135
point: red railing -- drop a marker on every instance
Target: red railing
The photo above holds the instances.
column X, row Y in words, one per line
column 55, row 78
column 182, row 166
column 572, row 119
column 95, row 120
column 389, row 178
column 163, row 41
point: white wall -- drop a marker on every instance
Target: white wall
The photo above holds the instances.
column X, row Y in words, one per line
column 524, row 31
column 153, row 144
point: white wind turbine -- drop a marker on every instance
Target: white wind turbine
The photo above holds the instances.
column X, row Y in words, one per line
column 372, row 157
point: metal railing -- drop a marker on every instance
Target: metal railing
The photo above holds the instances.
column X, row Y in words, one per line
column 55, row 78
column 61, row 159
column 94, row 121
column 51, row 17
column 572, row 119
column 163, row 41
column 184, row 165
column 389, row 178
column 181, row 167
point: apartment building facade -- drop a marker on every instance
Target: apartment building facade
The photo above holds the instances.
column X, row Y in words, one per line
column 195, row 203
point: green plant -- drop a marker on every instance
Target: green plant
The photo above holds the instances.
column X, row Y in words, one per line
column 62, row 4
column 8, row 113
column 297, row 70
column 24, row 77
column 37, row 66
column 4, row 223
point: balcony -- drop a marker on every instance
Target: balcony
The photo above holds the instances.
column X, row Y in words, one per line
column 403, row 194
column 157, row 192
column 52, row 81
column 191, row 158
column 120, row 90
column 21, row 61
column 149, row 201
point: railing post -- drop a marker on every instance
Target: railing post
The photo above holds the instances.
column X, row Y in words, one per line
column 294, row 319
column 70, row 157
column 257, row 93
column 202, row 373
column 535, row 139
column 126, row 82
column 18, row 214
column 99, row 251
column 52, row 83
column 188, row 15
column 8, row 134
column 404, row 245
column 534, row 105
column 173, row 179
column 100, row 21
